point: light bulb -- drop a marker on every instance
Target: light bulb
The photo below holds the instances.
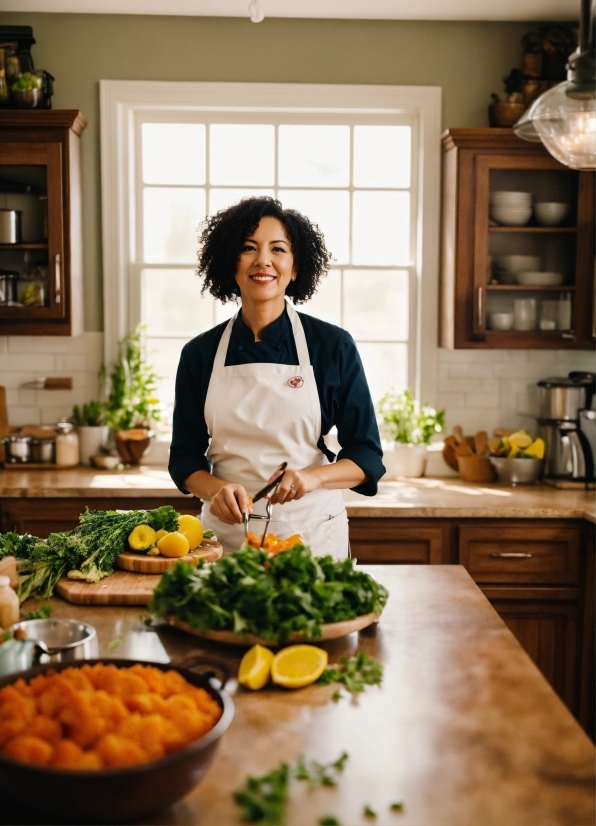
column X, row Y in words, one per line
column 256, row 11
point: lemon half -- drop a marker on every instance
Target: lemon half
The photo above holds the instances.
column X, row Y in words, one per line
column 298, row 665
column 255, row 667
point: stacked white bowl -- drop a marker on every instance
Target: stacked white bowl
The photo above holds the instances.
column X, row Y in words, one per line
column 513, row 209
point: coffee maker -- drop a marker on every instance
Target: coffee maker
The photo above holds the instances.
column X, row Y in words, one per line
column 567, row 423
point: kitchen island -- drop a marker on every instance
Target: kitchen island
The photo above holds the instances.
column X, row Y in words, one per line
column 464, row 730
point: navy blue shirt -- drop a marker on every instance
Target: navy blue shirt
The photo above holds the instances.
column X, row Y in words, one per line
column 343, row 392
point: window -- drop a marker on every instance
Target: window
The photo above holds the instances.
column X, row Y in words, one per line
column 351, row 165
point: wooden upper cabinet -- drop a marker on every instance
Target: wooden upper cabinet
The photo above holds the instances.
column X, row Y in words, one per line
column 40, row 177
column 477, row 273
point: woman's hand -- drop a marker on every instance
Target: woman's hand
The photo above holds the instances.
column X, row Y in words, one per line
column 294, row 485
column 229, row 503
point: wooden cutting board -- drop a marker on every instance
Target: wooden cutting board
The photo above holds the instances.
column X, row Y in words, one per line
column 143, row 564
column 121, row 588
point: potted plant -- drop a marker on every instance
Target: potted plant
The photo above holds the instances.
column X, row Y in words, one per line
column 132, row 406
column 92, row 430
column 409, row 427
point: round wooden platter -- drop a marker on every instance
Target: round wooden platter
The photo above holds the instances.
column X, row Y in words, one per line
column 330, row 631
column 140, row 563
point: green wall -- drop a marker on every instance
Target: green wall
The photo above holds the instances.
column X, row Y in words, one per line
column 467, row 59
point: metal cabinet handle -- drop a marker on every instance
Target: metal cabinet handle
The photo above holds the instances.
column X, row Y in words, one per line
column 479, row 297
column 511, row 555
column 567, row 335
column 58, row 282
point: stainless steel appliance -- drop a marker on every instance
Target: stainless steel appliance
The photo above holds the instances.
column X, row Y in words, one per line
column 563, row 400
column 17, row 449
column 10, row 226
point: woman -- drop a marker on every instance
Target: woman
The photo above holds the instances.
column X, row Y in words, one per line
column 267, row 386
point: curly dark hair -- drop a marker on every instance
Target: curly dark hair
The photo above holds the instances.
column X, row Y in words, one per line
column 225, row 233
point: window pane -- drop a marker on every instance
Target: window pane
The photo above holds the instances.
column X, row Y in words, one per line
column 241, row 154
column 382, row 156
column 171, row 219
column 164, row 354
column 314, row 155
column 381, row 228
column 222, row 198
column 225, row 311
column 173, row 153
column 376, row 304
column 330, row 210
column 326, row 302
column 386, row 367
column 172, row 304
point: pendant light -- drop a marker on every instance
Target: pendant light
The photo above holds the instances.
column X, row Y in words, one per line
column 564, row 117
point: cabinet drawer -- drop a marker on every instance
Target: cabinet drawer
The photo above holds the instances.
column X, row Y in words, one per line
column 528, row 555
column 399, row 541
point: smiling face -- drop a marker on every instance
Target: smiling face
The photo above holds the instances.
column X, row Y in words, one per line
column 266, row 264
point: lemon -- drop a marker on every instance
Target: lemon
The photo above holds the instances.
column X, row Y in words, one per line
column 173, row 544
column 161, row 532
column 536, row 449
column 142, row 538
column 255, row 667
column 298, row 665
column 192, row 529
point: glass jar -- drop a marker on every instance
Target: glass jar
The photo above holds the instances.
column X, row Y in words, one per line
column 67, row 445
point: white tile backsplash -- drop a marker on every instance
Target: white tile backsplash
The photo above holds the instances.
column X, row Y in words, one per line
column 27, row 358
column 484, row 389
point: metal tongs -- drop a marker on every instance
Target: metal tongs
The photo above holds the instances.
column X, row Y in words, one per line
column 246, row 516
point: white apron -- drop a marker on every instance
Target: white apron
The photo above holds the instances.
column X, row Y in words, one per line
column 258, row 416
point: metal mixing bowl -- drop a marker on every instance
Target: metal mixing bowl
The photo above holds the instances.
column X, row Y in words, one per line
column 117, row 795
column 517, row 471
column 67, row 640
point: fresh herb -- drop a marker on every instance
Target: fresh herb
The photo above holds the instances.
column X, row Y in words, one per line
column 146, row 619
column 329, row 820
column 354, row 672
column 263, row 799
column 88, row 552
column 42, row 613
column 271, row 597
column 337, row 695
column 368, row 812
column 397, row 807
column 88, row 415
column 208, row 534
column 114, row 643
column 11, row 544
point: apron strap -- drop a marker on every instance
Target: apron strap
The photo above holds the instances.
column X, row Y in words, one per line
column 220, row 356
column 299, row 336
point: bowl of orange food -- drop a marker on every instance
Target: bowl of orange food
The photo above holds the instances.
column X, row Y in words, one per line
column 109, row 740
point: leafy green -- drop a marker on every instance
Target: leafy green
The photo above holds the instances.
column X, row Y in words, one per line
column 11, row 544
column 264, row 799
column 208, row 534
column 42, row 613
column 88, row 415
column 354, row 672
column 397, row 807
column 89, row 551
column 115, row 643
column 249, row 592
column 368, row 812
column 407, row 421
column 329, row 820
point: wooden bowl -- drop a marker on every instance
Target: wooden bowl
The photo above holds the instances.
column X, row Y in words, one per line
column 132, row 444
column 475, row 469
column 505, row 114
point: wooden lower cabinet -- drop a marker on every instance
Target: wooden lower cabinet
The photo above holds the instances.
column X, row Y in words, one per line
column 42, row 517
column 400, row 541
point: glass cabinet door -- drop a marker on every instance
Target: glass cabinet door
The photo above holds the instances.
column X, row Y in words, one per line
column 31, row 232
column 526, row 261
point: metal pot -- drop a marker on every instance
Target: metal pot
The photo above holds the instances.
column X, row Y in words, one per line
column 122, row 794
column 10, row 226
column 17, row 449
column 66, row 640
column 43, row 450
column 561, row 398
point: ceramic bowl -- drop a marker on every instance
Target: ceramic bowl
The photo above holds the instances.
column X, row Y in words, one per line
column 550, row 213
column 540, row 279
column 518, row 263
column 105, row 461
column 517, row 471
column 510, row 216
column 500, row 321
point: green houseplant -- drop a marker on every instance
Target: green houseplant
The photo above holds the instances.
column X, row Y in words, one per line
column 132, row 407
column 409, row 428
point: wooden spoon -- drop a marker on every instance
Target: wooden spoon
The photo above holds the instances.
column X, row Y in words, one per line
column 480, row 442
column 464, row 449
column 458, row 434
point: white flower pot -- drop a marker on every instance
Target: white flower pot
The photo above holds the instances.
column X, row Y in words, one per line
column 91, row 440
column 404, row 460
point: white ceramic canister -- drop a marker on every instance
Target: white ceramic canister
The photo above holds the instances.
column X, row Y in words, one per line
column 91, row 440
column 405, row 460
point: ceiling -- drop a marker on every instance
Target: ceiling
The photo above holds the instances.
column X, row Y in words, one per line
column 524, row 10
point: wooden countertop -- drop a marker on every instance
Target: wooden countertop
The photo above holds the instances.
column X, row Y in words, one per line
column 464, row 729
column 438, row 497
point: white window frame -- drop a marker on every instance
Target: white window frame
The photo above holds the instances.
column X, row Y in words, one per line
column 120, row 101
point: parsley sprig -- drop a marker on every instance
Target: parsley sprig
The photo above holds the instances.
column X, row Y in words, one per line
column 354, row 672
